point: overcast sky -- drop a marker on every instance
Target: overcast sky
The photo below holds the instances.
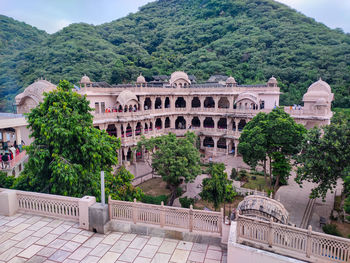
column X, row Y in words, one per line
column 53, row 15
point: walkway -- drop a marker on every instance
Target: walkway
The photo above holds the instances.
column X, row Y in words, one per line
column 28, row 238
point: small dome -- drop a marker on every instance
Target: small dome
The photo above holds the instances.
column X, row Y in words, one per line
column 179, row 75
column 140, row 79
column 126, row 96
column 263, row 208
column 272, row 80
column 35, row 90
column 85, row 80
column 320, row 85
column 231, row 80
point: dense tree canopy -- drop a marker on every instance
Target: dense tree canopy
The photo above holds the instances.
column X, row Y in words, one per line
column 272, row 138
column 67, row 153
column 248, row 39
column 325, row 157
column 173, row 158
column 217, row 188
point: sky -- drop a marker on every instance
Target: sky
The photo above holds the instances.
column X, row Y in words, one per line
column 53, row 15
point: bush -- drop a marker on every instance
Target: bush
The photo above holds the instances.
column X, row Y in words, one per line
column 253, row 177
column 179, row 191
column 156, row 200
column 243, row 176
column 331, row 230
column 234, row 174
column 186, row 202
column 6, row 181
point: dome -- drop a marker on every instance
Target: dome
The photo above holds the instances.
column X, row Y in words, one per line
column 272, row 80
column 179, row 75
column 140, row 79
column 263, row 208
column 35, row 91
column 85, row 80
column 126, row 96
column 231, row 80
column 319, row 86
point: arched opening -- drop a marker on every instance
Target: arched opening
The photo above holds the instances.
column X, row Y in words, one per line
column 222, row 143
column 196, row 103
column 209, row 102
column 223, row 103
column 112, row 130
column 180, row 123
column 241, row 125
column 222, row 124
column 158, row 124
column 262, row 104
column 147, row 104
column 158, row 103
column 122, row 130
column 128, row 131
column 196, row 122
column 180, row 103
column 97, row 127
column 150, row 126
column 208, row 142
column 146, row 128
column 233, row 125
column 130, row 108
column 120, row 108
column 167, row 123
column 138, row 129
column 126, row 108
column 129, row 154
column 208, row 122
column 167, row 103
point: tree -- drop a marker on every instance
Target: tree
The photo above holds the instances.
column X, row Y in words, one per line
column 67, row 153
column 119, row 186
column 217, row 188
column 325, row 158
column 274, row 137
column 173, row 158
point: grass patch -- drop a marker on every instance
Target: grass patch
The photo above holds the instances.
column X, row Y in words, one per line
column 154, row 187
column 343, row 228
column 259, row 183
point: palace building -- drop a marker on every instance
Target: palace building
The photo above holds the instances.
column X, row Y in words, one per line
column 216, row 111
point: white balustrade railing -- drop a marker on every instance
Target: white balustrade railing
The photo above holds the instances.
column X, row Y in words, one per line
column 292, row 241
column 48, row 205
column 247, row 191
column 166, row 216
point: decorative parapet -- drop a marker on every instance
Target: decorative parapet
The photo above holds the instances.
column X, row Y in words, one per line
column 292, row 241
column 181, row 219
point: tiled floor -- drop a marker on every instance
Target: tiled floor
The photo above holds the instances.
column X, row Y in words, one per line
column 28, row 238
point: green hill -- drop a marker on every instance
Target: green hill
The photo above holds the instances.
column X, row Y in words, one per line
column 248, row 39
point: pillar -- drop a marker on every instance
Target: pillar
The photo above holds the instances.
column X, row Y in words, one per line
column 18, row 136
column 236, row 122
column 215, row 139
column 202, row 99
column 236, row 148
column 215, row 119
column 216, row 100
column 142, row 102
column 133, row 130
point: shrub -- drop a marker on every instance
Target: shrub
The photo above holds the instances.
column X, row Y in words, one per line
column 186, row 202
column 156, row 200
column 234, row 174
column 253, row 177
column 6, row 181
column 243, row 175
column 331, row 230
column 178, row 191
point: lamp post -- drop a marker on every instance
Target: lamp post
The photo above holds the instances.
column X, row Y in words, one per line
column 103, row 200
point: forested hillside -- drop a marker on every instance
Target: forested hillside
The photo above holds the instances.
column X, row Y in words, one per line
column 248, row 39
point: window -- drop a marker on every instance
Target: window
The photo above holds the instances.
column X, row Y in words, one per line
column 103, row 107
column 97, row 107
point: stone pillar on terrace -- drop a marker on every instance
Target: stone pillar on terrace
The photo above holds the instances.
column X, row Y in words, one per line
column 18, row 136
column 3, row 136
column 236, row 148
column 142, row 128
column 201, row 119
column 125, row 151
column 172, row 102
column 236, row 122
column 142, row 104
column 201, row 139
column 229, row 124
column 188, row 103
column 188, row 121
column 202, row 99
column 215, row 139
column 216, row 100
column 172, row 122
column 228, row 146
column 134, row 156
column 133, row 125
column 216, row 120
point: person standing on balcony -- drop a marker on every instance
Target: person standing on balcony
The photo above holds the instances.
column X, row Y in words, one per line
column 13, row 151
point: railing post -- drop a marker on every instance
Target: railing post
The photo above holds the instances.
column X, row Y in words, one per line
column 308, row 241
column 134, row 211
column 221, row 219
column 110, row 207
column 190, row 223
column 84, row 204
column 270, row 233
column 162, row 215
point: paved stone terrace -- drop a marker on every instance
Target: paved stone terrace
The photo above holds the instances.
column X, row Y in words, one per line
column 30, row 238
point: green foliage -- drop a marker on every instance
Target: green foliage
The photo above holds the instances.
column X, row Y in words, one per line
column 273, row 137
column 243, row 175
column 186, row 202
column 325, row 158
column 156, row 200
column 217, row 188
column 179, row 191
column 249, row 39
column 119, row 186
column 331, row 230
column 234, row 174
column 173, row 158
column 6, row 181
column 67, row 153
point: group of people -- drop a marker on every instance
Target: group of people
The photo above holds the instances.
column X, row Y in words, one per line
column 9, row 154
column 295, row 107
